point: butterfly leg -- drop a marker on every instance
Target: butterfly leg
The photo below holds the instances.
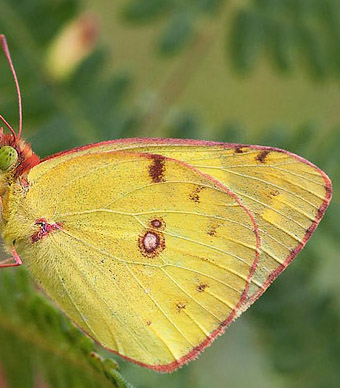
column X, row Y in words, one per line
column 7, row 263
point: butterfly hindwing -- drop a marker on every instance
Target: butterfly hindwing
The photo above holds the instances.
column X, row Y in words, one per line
column 146, row 254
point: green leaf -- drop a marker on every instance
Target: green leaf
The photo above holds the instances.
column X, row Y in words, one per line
column 292, row 346
column 247, row 40
column 177, row 34
column 145, row 10
column 184, row 124
column 38, row 340
column 281, row 38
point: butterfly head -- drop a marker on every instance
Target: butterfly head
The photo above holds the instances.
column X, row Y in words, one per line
column 16, row 159
column 16, row 156
column 8, row 157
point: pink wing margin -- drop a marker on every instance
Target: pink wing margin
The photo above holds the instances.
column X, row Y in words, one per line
column 243, row 303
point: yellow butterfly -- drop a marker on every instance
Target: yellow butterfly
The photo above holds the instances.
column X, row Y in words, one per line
column 154, row 246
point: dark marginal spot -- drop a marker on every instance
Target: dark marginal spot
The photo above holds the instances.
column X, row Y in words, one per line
column 194, row 195
column 180, row 307
column 201, row 287
column 239, row 150
column 151, row 243
column 157, row 168
column 293, row 252
column 44, row 229
column 310, row 229
column 320, row 212
column 328, row 190
column 148, row 323
column 261, row 157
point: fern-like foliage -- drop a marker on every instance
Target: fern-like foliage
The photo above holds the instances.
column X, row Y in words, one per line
column 182, row 19
column 288, row 31
column 39, row 342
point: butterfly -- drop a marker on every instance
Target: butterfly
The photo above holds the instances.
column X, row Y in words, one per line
column 154, row 246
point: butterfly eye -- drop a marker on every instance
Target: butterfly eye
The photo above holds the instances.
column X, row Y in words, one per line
column 8, row 157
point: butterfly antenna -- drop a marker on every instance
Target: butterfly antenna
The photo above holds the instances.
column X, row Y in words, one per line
column 8, row 126
column 9, row 60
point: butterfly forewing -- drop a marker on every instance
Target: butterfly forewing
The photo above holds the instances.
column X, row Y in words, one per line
column 286, row 194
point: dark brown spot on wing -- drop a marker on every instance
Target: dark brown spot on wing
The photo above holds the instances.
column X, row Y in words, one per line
column 148, row 323
column 261, row 157
column 180, row 306
column 194, row 195
column 212, row 230
column 157, row 168
column 201, row 287
column 157, row 223
column 151, row 243
column 274, row 193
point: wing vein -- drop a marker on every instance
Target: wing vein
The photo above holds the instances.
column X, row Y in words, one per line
column 158, row 306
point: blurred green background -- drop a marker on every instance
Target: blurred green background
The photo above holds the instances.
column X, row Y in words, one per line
column 258, row 71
